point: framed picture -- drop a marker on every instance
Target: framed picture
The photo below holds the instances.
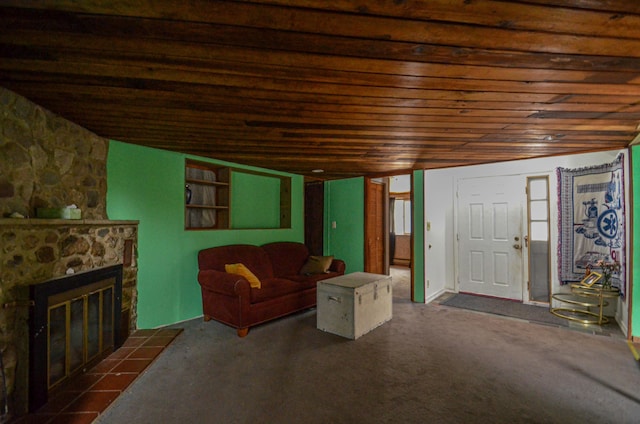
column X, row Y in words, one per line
column 590, row 279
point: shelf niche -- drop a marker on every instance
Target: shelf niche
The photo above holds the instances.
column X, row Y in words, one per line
column 208, row 194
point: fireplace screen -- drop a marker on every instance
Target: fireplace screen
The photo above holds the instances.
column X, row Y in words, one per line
column 74, row 323
column 80, row 330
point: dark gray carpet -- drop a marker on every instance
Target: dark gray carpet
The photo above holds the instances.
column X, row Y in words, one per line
column 504, row 307
column 429, row 364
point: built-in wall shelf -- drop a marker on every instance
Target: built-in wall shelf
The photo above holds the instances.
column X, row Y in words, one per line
column 205, row 182
column 207, row 207
column 208, row 193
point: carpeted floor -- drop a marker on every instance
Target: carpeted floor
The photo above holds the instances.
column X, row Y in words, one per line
column 401, row 278
column 429, row 364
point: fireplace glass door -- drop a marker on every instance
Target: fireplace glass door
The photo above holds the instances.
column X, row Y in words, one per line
column 80, row 330
column 75, row 321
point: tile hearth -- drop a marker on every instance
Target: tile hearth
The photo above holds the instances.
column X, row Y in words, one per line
column 91, row 393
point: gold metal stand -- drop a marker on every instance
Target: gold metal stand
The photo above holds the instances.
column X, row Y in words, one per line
column 591, row 299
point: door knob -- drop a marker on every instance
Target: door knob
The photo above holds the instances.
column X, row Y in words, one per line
column 517, row 246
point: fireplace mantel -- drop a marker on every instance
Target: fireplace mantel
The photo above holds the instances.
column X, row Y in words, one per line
column 10, row 222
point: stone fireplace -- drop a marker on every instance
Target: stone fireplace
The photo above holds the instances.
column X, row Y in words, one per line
column 42, row 250
column 49, row 162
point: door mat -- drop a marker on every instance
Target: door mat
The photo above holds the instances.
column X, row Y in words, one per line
column 504, row 307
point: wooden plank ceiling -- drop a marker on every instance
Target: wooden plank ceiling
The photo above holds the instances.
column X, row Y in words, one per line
column 352, row 87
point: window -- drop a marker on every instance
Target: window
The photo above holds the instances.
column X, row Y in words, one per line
column 538, row 209
column 401, row 216
column 538, row 241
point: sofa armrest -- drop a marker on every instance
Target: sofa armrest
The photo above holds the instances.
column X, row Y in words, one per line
column 224, row 283
column 338, row 265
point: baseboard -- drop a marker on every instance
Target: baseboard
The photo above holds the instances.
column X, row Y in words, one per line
column 434, row 296
column 622, row 325
column 181, row 321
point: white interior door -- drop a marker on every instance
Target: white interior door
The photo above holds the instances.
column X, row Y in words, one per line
column 490, row 236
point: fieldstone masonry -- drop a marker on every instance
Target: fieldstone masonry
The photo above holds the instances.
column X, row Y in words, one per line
column 35, row 251
column 47, row 161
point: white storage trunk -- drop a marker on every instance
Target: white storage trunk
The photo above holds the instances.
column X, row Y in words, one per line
column 354, row 304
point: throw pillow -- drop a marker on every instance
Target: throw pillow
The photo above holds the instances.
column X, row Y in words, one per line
column 316, row 265
column 240, row 269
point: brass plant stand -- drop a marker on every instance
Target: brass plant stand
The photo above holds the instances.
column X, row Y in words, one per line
column 591, row 299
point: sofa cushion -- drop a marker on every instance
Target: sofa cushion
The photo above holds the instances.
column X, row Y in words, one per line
column 316, row 265
column 245, row 272
column 286, row 257
column 273, row 288
column 253, row 257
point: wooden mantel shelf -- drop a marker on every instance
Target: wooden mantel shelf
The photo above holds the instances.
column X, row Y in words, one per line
column 14, row 222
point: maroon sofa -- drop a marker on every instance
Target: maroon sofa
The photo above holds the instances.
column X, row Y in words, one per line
column 229, row 298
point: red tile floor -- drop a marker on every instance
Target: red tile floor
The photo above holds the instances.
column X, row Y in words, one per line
column 91, row 393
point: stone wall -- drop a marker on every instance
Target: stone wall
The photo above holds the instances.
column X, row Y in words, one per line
column 47, row 161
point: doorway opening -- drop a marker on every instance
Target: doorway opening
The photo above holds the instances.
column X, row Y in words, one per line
column 400, row 207
column 388, row 231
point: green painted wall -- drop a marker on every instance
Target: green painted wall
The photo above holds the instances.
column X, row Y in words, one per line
column 260, row 200
column 148, row 185
column 635, row 272
column 344, row 205
column 418, row 236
